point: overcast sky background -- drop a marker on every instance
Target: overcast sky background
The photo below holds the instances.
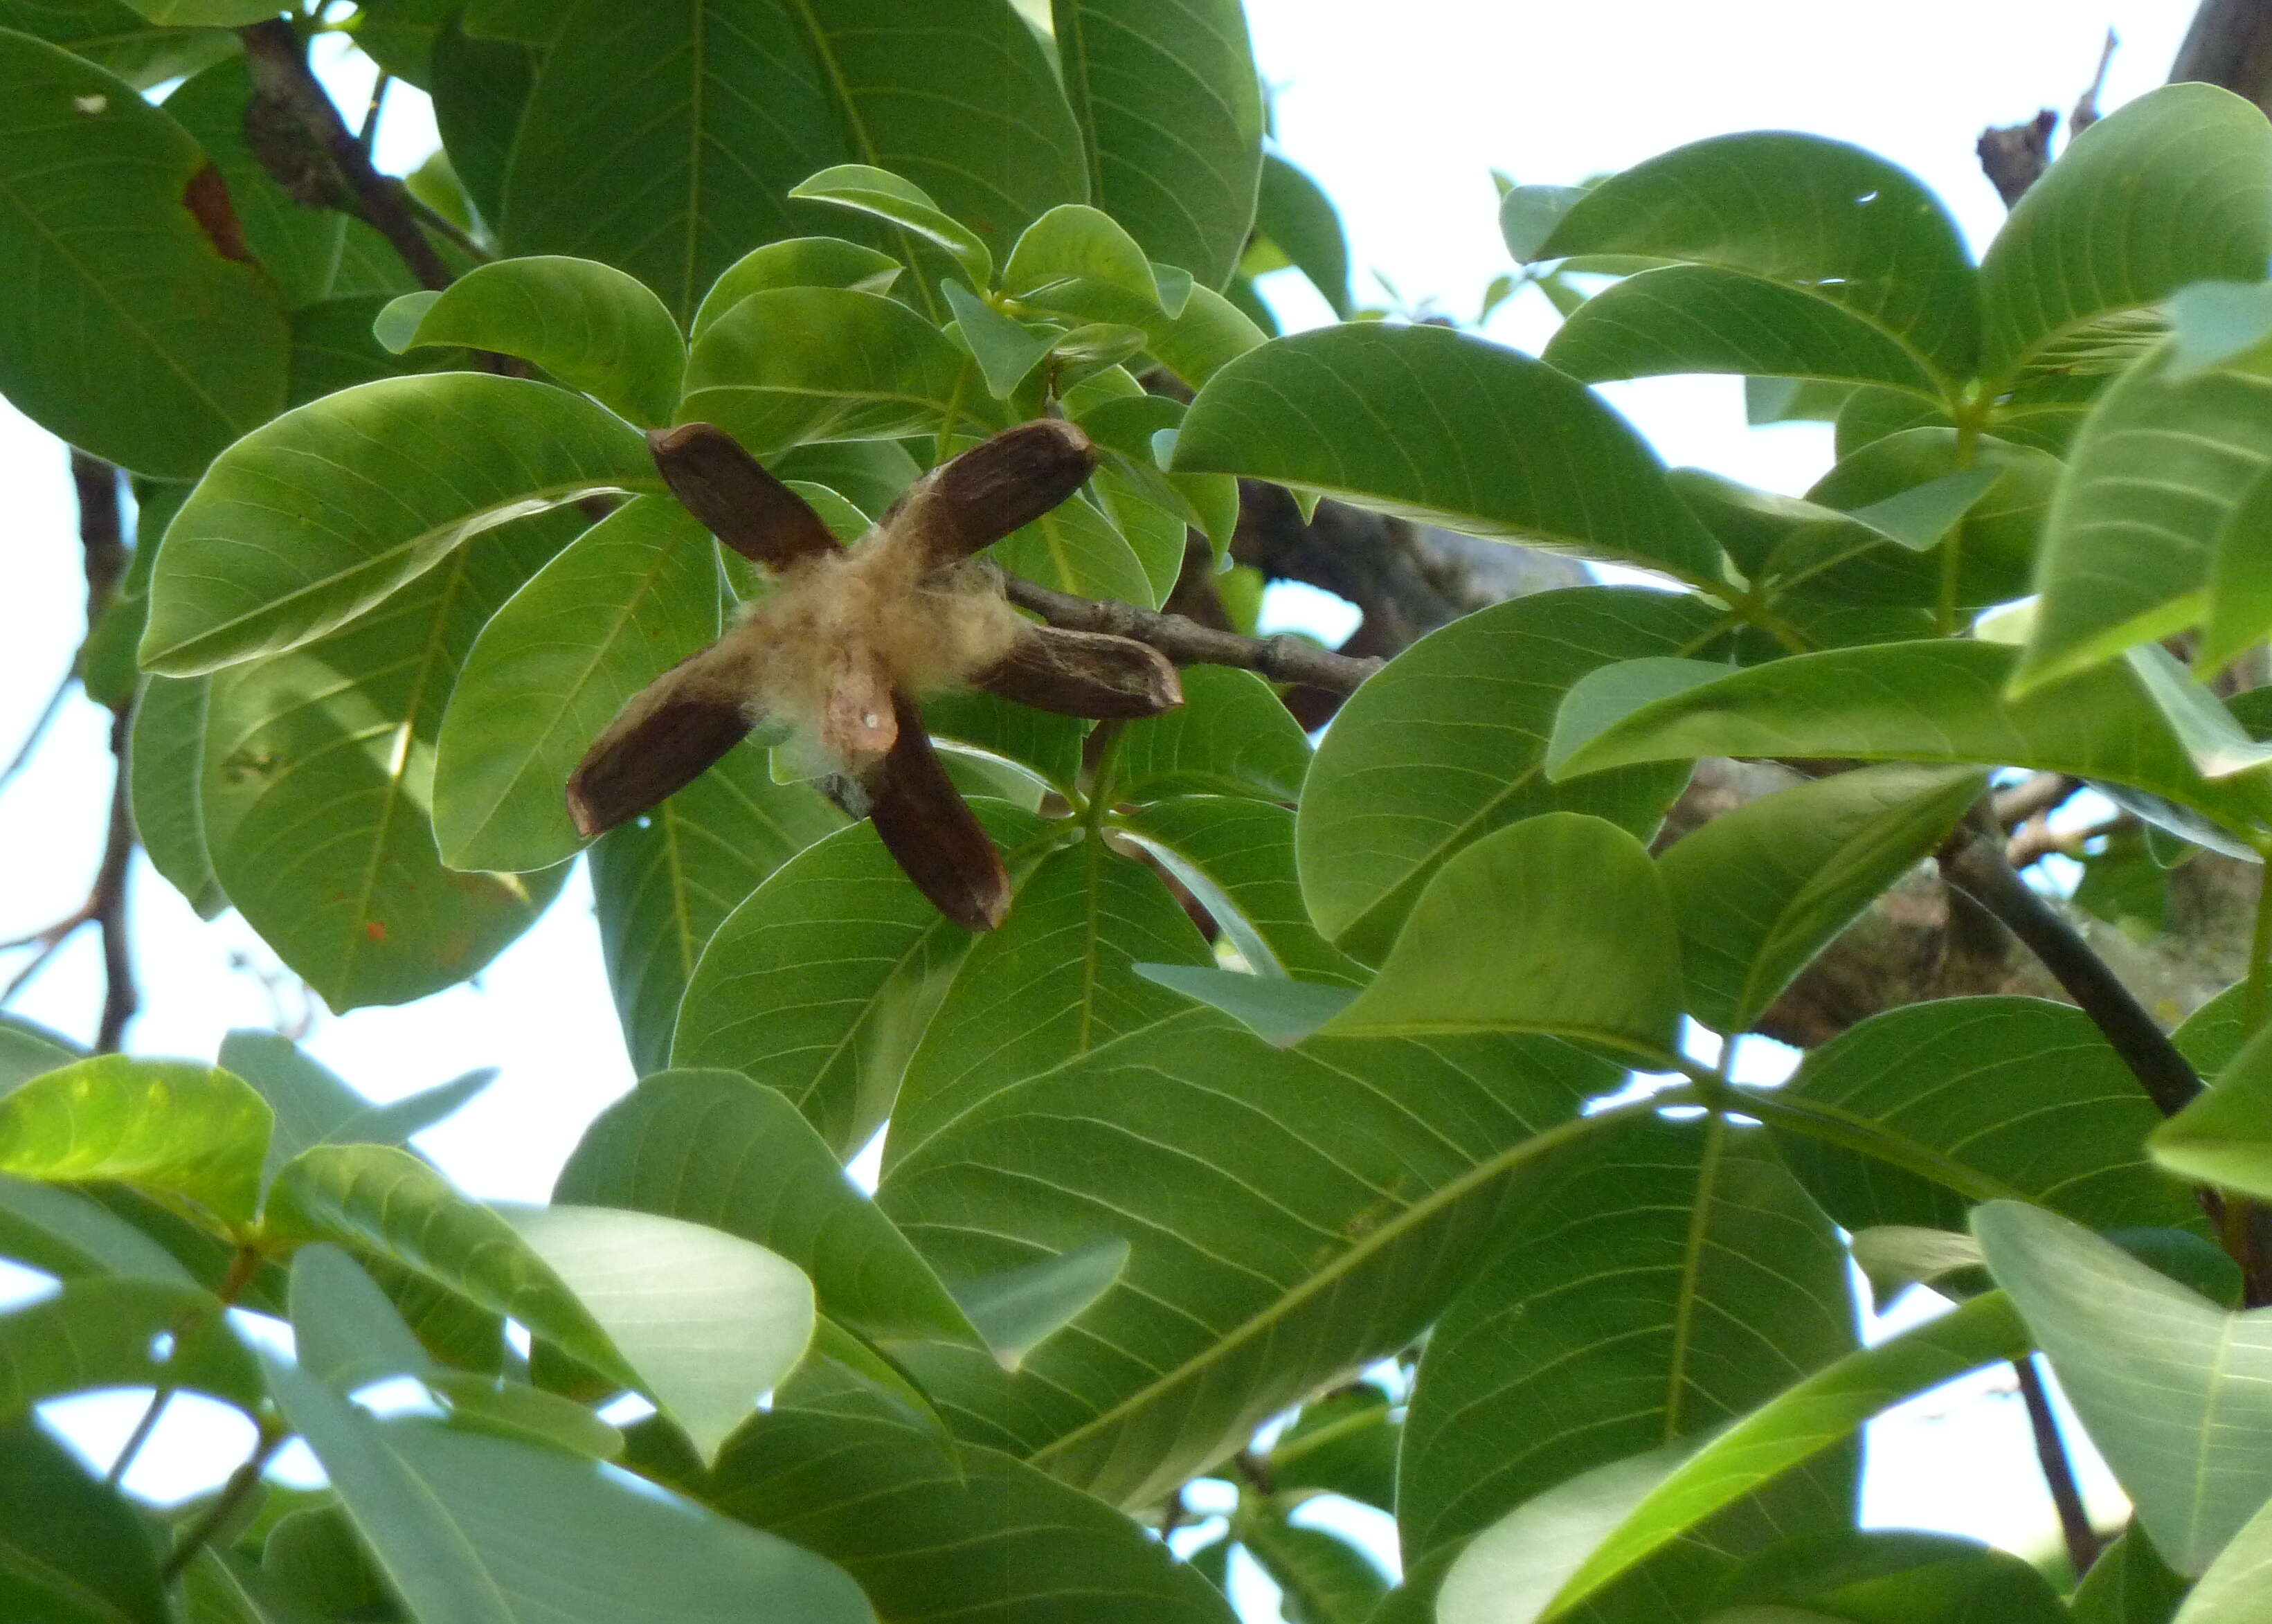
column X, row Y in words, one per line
column 1400, row 111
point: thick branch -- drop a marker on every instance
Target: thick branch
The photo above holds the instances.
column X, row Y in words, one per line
column 2058, row 1471
column 1187, row 642
column 2230, row 44
column 281, row 76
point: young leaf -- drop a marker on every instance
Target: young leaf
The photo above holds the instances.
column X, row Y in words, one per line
column 590, row 325
column 1759, row 891
column 2224, row 1137
column 879, row 193
column 1797, row 1424
column 1209, row 335
column 626, row 601
column 1074, row 241
column 2176, row 1392
column 699, row 118
column 479, row 1529
column 713, row 1148
column 1844, row 226
column 140, row 329
column 2173, row 188
column 1005, row 350
column 906, row 1518
column 318, row 515
column 792, row 364
column 1559, row 923
column 1274, row 1007
column 797, row 262
column 1424, row 759
column 1284, row 1230
column 167, row 1127
column 2023, row 1090
column 1921, row 701
column 1340, row 411
column 821, row 983
column 1731, row 1287
column 1171, row 113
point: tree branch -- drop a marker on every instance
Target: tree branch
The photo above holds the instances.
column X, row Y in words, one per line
column 1187, row 642
column 2230, row 43
column 2059, row 1469
column 282, row 78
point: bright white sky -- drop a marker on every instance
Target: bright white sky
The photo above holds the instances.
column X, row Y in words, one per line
column 1400, row 111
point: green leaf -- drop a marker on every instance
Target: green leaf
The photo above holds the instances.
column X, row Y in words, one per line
column 1271, row 1006
column 2233, row 1586
column 792, row 364
column 1323, row 1578
column 1052, row 983
column 1423, row 759
column 1231, row 737
column 1005, row 350
column 1236, row 857
column 1844, row 226
column 1209, row 335
column 2171, row 189
column 2023, row 1090
column 121, row 1334
column 1292, row 1215
column 318, row 773
column 2213, row 737
column 333, row 348
column 118, row 39
column 316, row 517
column 28, row 1049
column 708, row 1320
column 1854, row 1576
column 821, row 983
column 2224, row 1136
column 698, row 118
column 1918, row 701
column 1702, row 319
column 626, row 601
column 71, row 1551
column 663, row 883
column 798, row 262
column 204, row 14
column 1295, row 213
column 72, row 1236
column 309, row 1101
column 166, row 1126
column 967, row 1531
column 347, row 1334
column 713, row 1148
column 2212, row 322
column 589, row 324
column 479, row 1529
column 140, row 330
column 1557, row 925
column 1076, row 548
column 1018, row 1309
column 1344, row 1443
column 1796, row 1426
column 867, row 189
column 2129, row 1584
column 1171, row 113
column 299, row 247
column 1759, row 891
column 1356, row 412
column 1074, row 241
column 395, row 1122
column 1729, row 1288
column 2176, row 1393
column 2154, row 528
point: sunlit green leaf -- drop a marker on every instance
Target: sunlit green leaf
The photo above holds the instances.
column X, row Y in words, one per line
column 797, row 262
column 1296, row 214
column 166, row 1126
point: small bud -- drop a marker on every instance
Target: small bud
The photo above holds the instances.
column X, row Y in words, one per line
column 736, row 499
column 930, row 831
column 1084, row 674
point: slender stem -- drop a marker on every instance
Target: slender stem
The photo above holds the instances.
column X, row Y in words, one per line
column 953, row 415
column 1976, row 865
column 2058, row 1469
column 159, row 1397
column 240, row 1487
column 38, row 731
column 240, row 1270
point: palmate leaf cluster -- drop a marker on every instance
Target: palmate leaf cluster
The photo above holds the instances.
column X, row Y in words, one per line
column 1281, row 1135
